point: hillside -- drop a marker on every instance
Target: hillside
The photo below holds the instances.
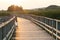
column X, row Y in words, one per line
column 52, row 11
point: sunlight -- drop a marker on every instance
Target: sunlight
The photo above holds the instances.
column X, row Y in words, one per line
column 15, row 2
column 28, row 4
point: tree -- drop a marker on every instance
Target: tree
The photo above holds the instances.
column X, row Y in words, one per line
column 15, row 8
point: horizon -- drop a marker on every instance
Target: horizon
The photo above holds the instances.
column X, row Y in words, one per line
column 28, row 4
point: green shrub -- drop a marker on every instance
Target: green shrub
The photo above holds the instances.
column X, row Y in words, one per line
column 4, row 13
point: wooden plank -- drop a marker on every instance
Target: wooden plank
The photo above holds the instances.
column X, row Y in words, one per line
column 27, row 30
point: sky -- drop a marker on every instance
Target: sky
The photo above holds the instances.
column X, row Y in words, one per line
column 28, row 4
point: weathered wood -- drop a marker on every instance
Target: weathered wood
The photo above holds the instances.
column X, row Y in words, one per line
column 27, row 30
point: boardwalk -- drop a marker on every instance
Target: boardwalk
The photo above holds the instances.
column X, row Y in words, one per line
column 27, row 30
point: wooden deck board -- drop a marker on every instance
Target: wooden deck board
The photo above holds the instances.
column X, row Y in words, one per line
column 27, row 30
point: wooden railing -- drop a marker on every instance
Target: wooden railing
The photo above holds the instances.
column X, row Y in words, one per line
column 7, row 28
column 52, row 26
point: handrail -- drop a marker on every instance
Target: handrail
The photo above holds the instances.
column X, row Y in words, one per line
column 1, row 25
column 47, row 18
column 8, row 33
column 46, row 26
column 7, row 28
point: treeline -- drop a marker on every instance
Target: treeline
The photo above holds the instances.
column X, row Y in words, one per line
column 13, row 9
column 52, row 11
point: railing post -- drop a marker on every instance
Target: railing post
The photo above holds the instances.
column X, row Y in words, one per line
column 56, row 28
column 52, row 27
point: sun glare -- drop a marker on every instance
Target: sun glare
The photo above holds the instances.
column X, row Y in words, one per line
column 14, row 2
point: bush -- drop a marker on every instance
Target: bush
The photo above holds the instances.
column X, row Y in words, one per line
column 4, row 13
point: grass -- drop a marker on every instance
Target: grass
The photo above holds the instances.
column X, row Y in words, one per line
column 51, row 13
column 4, row 13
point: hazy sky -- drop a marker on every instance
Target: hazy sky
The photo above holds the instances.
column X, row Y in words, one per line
column 28, row 4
